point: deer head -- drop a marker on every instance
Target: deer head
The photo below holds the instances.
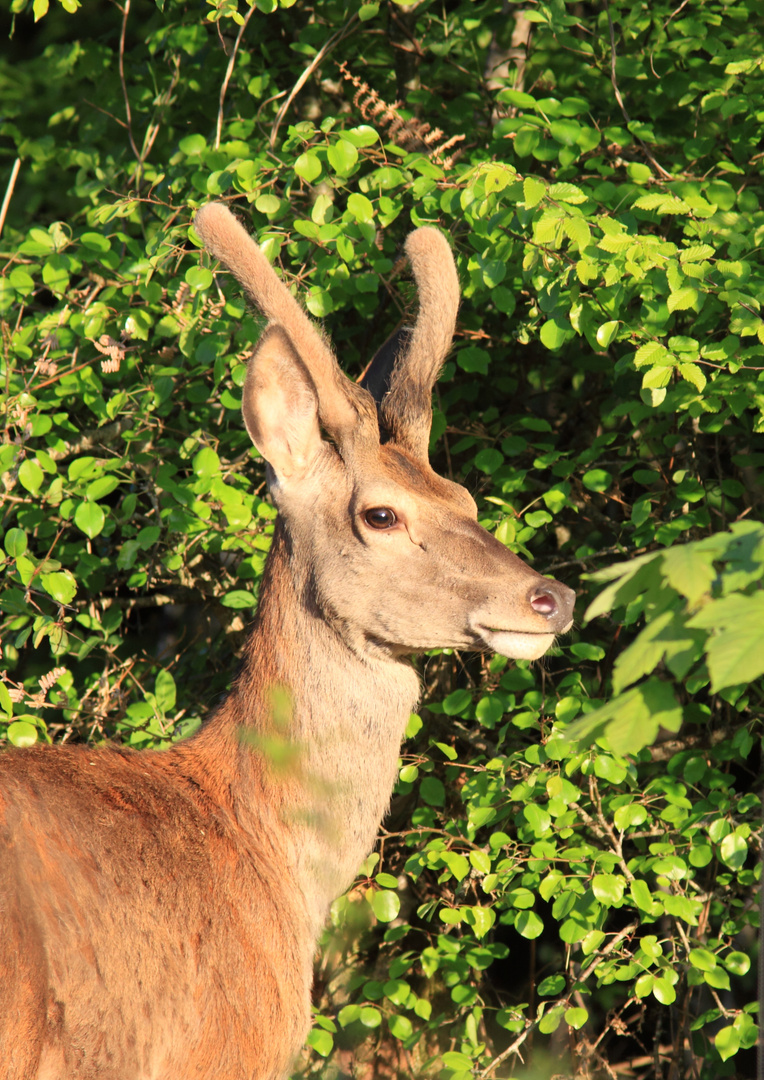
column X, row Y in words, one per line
column 391, row 552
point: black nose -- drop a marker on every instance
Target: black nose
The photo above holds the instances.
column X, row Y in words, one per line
column 554, row 601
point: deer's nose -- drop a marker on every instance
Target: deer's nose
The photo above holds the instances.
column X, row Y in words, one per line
column 554, row 601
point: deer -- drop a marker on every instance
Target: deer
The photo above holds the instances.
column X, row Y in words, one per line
column 160, row 909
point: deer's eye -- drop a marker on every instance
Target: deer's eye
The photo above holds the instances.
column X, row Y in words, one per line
column 380, row 517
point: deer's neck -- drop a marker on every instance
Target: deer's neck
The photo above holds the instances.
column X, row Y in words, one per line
column 318, row 723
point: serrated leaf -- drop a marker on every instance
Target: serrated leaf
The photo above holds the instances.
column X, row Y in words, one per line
column 577, row 230
column 631, row 720
column 693, row 374
column 533, row 191
column 682, row 299
column 651, row 354
column 689, row 569
column 735, row 652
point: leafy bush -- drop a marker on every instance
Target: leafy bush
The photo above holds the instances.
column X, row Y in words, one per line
column 568, row 869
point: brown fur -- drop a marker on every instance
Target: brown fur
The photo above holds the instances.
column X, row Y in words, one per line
column 160, row 911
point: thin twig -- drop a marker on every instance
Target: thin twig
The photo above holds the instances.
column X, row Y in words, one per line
column 614, row 80
column 229, row 73
column 128, row 114
column 582, row 977
column 9, row 192
column 335, row 39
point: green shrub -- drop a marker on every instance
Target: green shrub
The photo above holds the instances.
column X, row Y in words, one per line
column 568, row 869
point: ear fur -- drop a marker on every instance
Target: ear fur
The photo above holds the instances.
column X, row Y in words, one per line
column 280, row 406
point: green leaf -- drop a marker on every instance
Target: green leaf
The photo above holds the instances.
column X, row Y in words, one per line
column 631, row 720
column 608, row 888
column 453, row 1059
column 370, row 1017
column 6, row 704
column 550, row 1021
column 432, row 791
column 703, row 959
column 736, row 650
column 727, row 1042
column 626, row 817
column 480, row 861
column 61, row 585
column 607, row 332
column 385, row 905
column 733, row 851
column 551, row 986
column 533, row 191
column 342, row 157
column 597, row 479
column 164, row 691
column 239, row 599
column 689, row 568
column 489, row 460
column 554, row 333
column 322, row 1041
column 360, row 207
column 683, row 299
column 268, row 204
column 308, row 166
column 576, row 1017
column 664, row 992
column 652, row 353
column 199, row 278
column 643, row 898
column 400, row 1027
column 739, row 963
column 529, row 925
column 89, row 518
column 15, row 542
column 22, row 734
column 481, row 919
column 30, row 476
column 206, row 463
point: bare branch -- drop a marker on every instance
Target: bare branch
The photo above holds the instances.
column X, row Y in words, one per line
column 9, row 192
column 229, row 73
column 335, row 39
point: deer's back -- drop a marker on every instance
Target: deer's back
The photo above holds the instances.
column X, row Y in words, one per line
column 145, row 935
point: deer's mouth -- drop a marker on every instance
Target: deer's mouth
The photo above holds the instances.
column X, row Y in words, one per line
column 516, row 644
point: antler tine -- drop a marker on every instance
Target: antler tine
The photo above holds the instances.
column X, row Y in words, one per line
column 407, row 409
column 341, row 402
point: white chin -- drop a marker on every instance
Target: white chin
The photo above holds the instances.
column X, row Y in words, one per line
column 517, row 646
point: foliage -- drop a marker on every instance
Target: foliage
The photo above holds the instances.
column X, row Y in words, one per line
column 568, row 867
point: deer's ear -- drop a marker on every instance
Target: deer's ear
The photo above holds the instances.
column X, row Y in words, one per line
column 280, row 406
